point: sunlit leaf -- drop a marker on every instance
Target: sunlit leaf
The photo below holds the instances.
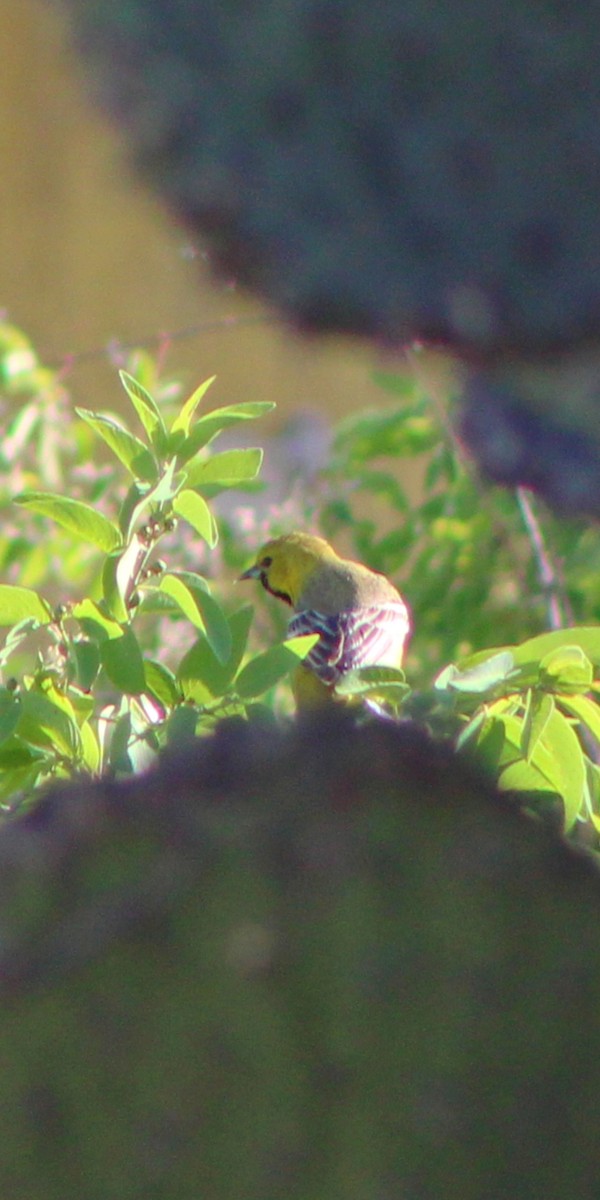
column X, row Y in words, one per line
column 161, row 683
column 207, row 427
column 567, row 665
column 145, row 407
column 43, row 723
column 133, row 453
column 367, row 681
column 264, row 671
column 194, row 509
column 228, row 468
column 587, row 712
column 539, row 713
column 22, row 604
column 202, row 676
column 476, row 680
column 202, row 610
column 184, row 417
column 75, row 516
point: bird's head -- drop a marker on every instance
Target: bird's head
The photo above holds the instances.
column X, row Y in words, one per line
column 285, row 564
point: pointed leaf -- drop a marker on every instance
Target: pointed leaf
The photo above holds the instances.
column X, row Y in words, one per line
column 587, row 712
column 161, row 683
column 202, row 610
column 557, row 759
column 536, row 719
column 122, row 660
column 264, row 671
column 87, row 662
column 22, row 604
column 132, row 452
column 194, row 509
column 366, row 681
column 202, row 677
column 567, row 666
column 145, row 405
column 484, row 676
column 90, row 749
column 119, row 745
column 183, row 419
column 207, row 428
column 228, row 468
column 79, row 518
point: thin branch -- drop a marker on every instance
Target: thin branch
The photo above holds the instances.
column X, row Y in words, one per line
column 559, row 613
column 115, row 348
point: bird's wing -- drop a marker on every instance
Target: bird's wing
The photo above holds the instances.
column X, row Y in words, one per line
column 359, row 637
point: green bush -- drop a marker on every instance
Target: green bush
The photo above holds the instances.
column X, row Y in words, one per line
column 132, row 651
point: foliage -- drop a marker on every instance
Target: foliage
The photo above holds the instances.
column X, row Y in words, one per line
column 112, row 652
column 480, row 567
column 86, row 688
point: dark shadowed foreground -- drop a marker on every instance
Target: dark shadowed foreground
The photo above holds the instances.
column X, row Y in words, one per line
column 322, row 965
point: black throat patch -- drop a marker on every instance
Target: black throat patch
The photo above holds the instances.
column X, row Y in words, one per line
column 273, row 591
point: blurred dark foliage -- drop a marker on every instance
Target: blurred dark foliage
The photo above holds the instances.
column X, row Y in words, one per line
column 395, row 170
column 398, row 171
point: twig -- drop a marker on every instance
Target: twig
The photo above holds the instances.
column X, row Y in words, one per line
column 558, row 605
column 150, row 341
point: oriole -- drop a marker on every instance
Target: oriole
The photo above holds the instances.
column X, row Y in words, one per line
column 360, row 616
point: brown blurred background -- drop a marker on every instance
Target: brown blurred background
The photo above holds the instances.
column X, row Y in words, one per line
column 88, row 257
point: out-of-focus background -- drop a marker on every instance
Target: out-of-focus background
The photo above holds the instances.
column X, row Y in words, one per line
column 88, row 258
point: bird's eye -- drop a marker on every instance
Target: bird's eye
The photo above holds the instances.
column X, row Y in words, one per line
column 266, row 562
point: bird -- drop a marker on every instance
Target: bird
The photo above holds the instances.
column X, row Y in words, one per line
column 361, row 618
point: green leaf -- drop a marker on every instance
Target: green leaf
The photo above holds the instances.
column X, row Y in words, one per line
column 558, row 762
column 202, row 676
column 145, row 407
column 201, row 609
column 132, row 507
column 95, row 622
column 194, row 509
column 534, row 649
column 87, row 662
column 567, row 666
column 264, row 671
column 122, row 660
column 90, row 749
column 227, row 469
column 112, row 588
column 164, row 491
column 484, row 677
column 10, row 712
column 43, row 723
column 120, row 760
column 21, row 604
column 75, row 516
column 586, row 711
column 181, row 726
column 161, row 683
column 366, row 681
column 539, row 713
column 132, row 452
column 183, row 419
column 207, row 428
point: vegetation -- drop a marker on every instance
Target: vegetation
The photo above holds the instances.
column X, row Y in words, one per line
column 111, row 651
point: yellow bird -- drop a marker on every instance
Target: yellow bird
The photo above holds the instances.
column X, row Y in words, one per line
column 360, row 616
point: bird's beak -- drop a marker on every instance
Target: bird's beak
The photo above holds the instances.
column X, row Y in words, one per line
column 251, row 573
